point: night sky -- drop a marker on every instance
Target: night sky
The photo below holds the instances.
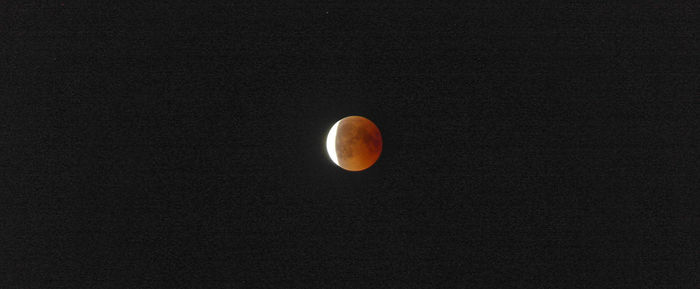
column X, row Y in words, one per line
column 183, row 145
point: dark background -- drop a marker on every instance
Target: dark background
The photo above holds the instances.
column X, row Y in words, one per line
column 183, row 145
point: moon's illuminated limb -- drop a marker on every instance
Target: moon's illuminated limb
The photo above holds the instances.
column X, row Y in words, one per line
column 330, row 143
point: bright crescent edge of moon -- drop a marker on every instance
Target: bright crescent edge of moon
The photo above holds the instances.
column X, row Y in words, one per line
column 330, row 143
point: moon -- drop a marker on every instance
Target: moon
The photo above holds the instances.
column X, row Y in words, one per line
column 354, row 143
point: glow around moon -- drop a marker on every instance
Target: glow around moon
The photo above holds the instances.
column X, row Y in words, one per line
column 354, row 143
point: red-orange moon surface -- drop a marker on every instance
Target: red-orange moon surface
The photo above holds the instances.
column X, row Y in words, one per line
column 354, row 143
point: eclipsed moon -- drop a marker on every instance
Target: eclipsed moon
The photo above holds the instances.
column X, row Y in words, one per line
column 354, row 143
